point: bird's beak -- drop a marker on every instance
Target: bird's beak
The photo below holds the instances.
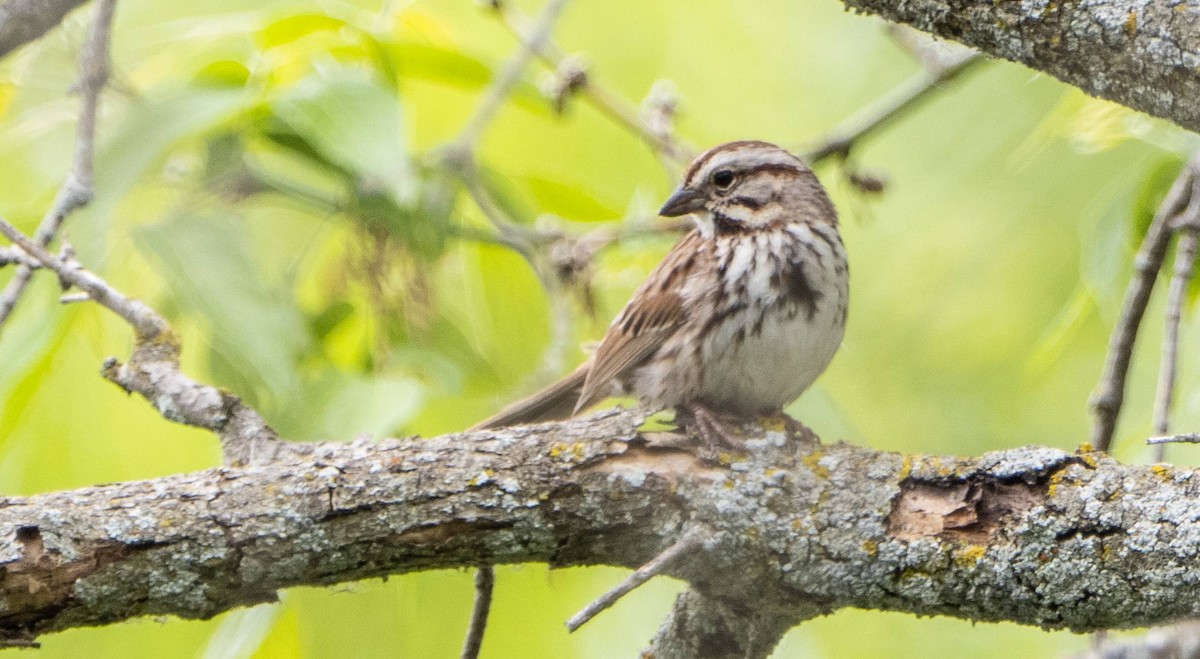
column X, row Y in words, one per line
column 684, row 201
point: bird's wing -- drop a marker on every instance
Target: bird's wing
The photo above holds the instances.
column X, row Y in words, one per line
column 654, row 314
column 628, row 344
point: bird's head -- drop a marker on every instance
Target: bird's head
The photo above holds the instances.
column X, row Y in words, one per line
column 748, row 186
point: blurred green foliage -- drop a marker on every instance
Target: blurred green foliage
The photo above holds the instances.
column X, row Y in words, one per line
column 270, row 178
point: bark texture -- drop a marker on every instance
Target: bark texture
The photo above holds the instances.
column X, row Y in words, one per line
column 1033, row 535
column 1141, row 53
column 22, row 21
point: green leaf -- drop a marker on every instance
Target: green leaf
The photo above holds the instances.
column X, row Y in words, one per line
column 292, row 28
column 1152, row 191
column 222, row 73
column 211, row 272
column 569, row 201
column 341, row 406
column 353, row 121
column 345, row 41
column 437, row 64
column 142, row 138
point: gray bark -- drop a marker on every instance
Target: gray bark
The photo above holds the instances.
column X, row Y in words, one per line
column 1035, row 535
column 1145, row 55
column 22, row 21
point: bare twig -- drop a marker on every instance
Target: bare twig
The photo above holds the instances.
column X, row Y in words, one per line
column 153, row 369
column 77, row 191
column 12, row 256
column 691, row 540
column 1168, row 642
column 606, row 102
column 510, row 75
column 891, row 106
column 147, row 324
column 1110, row 393
column 1186, row 227
column 1182, row 438
column 460, row 157
column 485, row 581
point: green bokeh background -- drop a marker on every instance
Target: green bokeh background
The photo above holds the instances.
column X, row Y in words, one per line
column 339, row 297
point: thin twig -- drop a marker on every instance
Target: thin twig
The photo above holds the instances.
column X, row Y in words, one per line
column 13, row 256
column 889, row 107
column 153, row 368
column 606, row 102
column 485, row 581
column 692, row 540
column 77, row 190
column 147, row 324
column 1185, row 259
column 510, row 75
column 460, row 158
column 1110, row 392
column 1182, row 438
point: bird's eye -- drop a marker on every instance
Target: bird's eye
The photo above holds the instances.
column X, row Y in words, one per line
column 722, row 178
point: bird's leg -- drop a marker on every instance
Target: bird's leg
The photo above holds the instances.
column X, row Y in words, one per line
column 714, row 436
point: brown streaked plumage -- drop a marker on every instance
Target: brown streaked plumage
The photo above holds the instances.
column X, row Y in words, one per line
column 744, row 312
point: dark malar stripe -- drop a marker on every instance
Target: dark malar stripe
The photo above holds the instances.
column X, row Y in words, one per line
column 800, row 291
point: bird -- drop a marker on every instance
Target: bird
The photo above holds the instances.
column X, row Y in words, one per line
column 740, row 317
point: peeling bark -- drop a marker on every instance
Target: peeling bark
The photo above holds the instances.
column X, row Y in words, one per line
column 1145, row 55
column 1034, row 535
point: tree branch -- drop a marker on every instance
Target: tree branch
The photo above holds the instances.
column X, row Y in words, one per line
column 153, row 369
column 1141, row 54
column 76, row 192
column 22, row 21
column 1110, row 392
column 891, row 106
column 1035, row 536
column 1186, row 226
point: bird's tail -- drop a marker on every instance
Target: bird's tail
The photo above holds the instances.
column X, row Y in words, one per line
column 556, row 401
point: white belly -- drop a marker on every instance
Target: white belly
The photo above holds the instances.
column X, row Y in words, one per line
column 765, row 373
column 739, row 367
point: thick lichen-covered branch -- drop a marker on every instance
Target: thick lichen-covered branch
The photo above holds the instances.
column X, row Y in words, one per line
column 1035, row 535
column 1145, row 55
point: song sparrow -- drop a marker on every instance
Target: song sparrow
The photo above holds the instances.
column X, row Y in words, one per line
column 740, row 317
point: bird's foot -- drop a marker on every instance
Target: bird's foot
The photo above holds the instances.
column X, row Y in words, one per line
column 717, row 442
column 794, row 428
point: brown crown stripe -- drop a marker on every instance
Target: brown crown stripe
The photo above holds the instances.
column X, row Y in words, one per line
column 700, row 162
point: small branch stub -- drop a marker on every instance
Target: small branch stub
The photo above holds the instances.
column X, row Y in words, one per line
column 691, row 541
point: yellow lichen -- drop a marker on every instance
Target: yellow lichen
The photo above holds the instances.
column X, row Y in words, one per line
column 970, row 555
column 813, row 462
column 773, row 423
column 905, row 468
column 871, row 547
column 1131, row 24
